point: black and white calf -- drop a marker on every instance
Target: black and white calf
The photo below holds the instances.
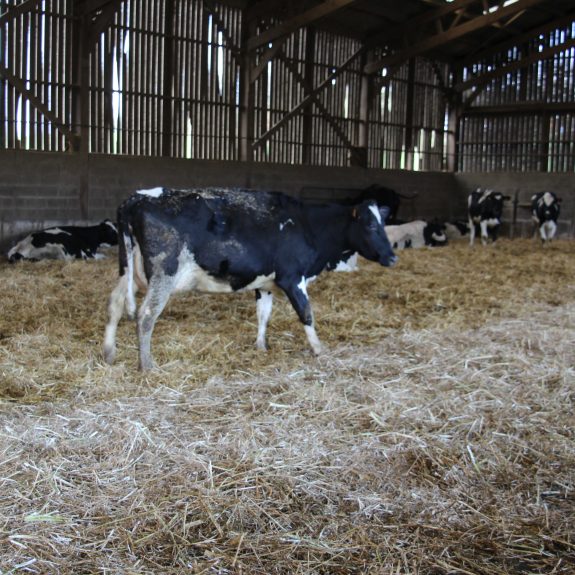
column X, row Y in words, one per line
column 65, row 243
column 484, row 210
column 416, row 234
column 230, row 240
column 545, row 210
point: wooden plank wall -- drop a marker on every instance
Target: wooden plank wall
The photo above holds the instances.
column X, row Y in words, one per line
column 533, row 139
column 164, row 80
column 132, row 77
column 37, row 52
column 389, row 110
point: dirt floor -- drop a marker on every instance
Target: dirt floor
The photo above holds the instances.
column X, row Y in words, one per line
column 435, row 434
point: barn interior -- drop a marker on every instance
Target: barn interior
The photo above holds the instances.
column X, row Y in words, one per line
column 316, row 99
column 434, row 435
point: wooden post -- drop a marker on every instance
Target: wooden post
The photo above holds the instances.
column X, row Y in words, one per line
column 364, row 100
column 246, row 119
column 307, row 112
column 168, row 79
column 409, row 115
column 80, row 105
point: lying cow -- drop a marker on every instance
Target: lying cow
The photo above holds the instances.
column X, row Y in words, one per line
column 457, row 229
column 416, row 234
column 65, row 243
column 229, row 240
column 545, row 210
column 484, row 210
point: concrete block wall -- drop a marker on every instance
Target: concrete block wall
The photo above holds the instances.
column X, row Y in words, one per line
column 523, row 186
column 40, row 189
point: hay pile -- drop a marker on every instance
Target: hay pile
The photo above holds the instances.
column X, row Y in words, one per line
column 434, row 436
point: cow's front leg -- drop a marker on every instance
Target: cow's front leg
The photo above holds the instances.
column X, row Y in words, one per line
column 484, row 234
column 297, row 294
column 471, row 231
column 155, row 301
column 264, row 303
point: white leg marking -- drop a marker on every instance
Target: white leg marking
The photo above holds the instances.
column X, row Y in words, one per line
column 115, row 310
column 264, row 309
column 471, row 232
column 548, row 230
column 156, row 299
column 313, row 339
column 483, row 226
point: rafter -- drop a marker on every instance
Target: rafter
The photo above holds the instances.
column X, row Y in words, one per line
column 537, row 108
column 301, row 20
column 14, row 11
column 442, row 38
column 103, row 21
column 517, row 40
column 501, row 71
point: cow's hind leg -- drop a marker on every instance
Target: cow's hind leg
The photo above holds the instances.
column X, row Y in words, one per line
column 115, row 311
column 297, row 294
column 264, row 303
column 155, row 301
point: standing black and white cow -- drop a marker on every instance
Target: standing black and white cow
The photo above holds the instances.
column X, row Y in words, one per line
column 484, row 210
column 230, row 240
column 65, row 243
column 416, row 234
column 545, row 210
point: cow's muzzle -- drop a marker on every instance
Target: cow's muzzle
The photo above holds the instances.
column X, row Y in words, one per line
column 389, row 262
column 15, row 258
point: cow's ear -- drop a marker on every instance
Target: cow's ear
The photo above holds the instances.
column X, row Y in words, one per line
column 354, row 213
column 384, row 211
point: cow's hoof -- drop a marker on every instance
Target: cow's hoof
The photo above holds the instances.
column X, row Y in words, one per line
column 109, row 355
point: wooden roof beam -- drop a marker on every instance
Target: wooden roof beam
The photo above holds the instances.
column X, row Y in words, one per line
column 440, row 39
column 301, row 20
column 536, row 108
column 536, row 57
column 517, row 40
column 14, row 11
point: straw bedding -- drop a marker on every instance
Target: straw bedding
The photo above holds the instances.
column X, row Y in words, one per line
column 434, row 436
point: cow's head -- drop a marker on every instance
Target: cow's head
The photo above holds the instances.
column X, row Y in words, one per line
column 367, row 233
column 497, row 200
column 434, row 234
column 23, row 250
column 108, row 233
column 14, row 257
column 547, row 207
